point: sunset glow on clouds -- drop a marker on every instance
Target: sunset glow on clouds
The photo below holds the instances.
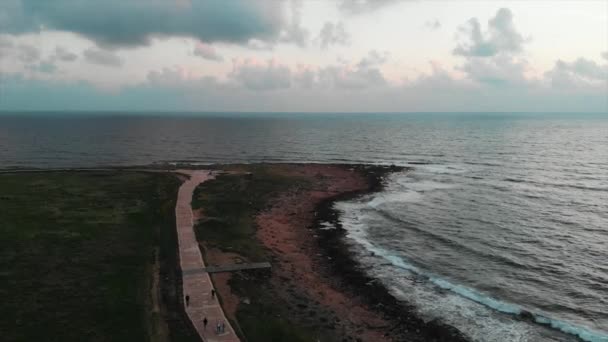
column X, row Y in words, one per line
column 255, row 55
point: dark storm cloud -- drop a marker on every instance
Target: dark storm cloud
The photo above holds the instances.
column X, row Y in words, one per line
column 134, row 22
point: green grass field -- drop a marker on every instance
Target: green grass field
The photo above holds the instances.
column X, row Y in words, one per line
column 76, row 254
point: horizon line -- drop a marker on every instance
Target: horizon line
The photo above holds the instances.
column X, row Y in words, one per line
column 118, row 111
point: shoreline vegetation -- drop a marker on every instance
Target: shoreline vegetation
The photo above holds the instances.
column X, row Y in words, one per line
column 91, row 254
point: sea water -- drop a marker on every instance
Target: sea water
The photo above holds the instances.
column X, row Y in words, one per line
column 501, row 214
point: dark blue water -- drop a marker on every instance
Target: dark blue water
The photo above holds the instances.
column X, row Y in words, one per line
column 502, row 212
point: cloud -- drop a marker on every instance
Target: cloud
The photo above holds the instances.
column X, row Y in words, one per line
column 207, row 51
column 373, row 59
column 259, row 45
column 28, row 53
column 261, row 76
column 333, row 34
column 178, row 77
column 354, row 79
column 5, row 43
column 175, row 89
column 102, row 57
column 305, row 76
column 501, row 37
column 64, row 55
column 496, row 71
column 135, row 22
column 293, row 32
column 24, row 53
column 45, row 67
column 365, row 6
column 5, row 47
column 362, row 75
column 271, row 75
column 492, row 57
column 433, row 24
column 578, row 73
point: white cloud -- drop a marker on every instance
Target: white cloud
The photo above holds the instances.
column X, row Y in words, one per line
column 501, row 37
column 364, row 74
column 261, row 76
column 5, row 46
column 579, row 73
column 365, row 6
column 207, row 51
column 333, row 34
column 433, row 24
column 348, row 78
column 259, row 45
column 373, row 59
column 178, row 77
column 102, row 57
column 64, row 55
column 45, row 67
column 272, row 75
column 497, row 70
column 28, row 53
column 492, row 57
column 293, row 31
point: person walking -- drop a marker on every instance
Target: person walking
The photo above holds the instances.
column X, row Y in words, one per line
column 205, row 321
column 212, row 293
column 187, row 300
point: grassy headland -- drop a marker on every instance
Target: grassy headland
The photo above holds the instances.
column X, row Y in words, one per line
column 78, row 254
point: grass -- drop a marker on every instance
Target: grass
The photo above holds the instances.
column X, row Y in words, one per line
column 264, row 318
column 230, row 204
column 76, row 254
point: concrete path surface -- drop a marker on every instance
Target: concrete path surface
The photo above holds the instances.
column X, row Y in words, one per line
column 197, row 285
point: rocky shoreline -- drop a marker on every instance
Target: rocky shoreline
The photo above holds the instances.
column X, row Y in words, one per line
column 405, row 324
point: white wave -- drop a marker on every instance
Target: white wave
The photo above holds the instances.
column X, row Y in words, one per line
column 388, row 198
column 457, row 311
column 441, row 168
column 583, row 333
column 327, row 226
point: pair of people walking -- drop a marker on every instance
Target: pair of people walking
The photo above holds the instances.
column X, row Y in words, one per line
column 220, row 326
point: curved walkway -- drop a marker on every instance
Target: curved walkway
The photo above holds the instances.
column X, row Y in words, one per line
column 197, row 285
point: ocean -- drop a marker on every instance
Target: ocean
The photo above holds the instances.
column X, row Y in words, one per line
column 501, row 214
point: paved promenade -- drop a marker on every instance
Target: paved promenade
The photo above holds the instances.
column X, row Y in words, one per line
column 197, row 285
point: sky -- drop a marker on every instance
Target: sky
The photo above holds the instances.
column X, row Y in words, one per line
column 304, row 55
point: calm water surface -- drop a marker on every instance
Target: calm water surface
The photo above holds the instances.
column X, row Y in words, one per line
column 502, row 212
